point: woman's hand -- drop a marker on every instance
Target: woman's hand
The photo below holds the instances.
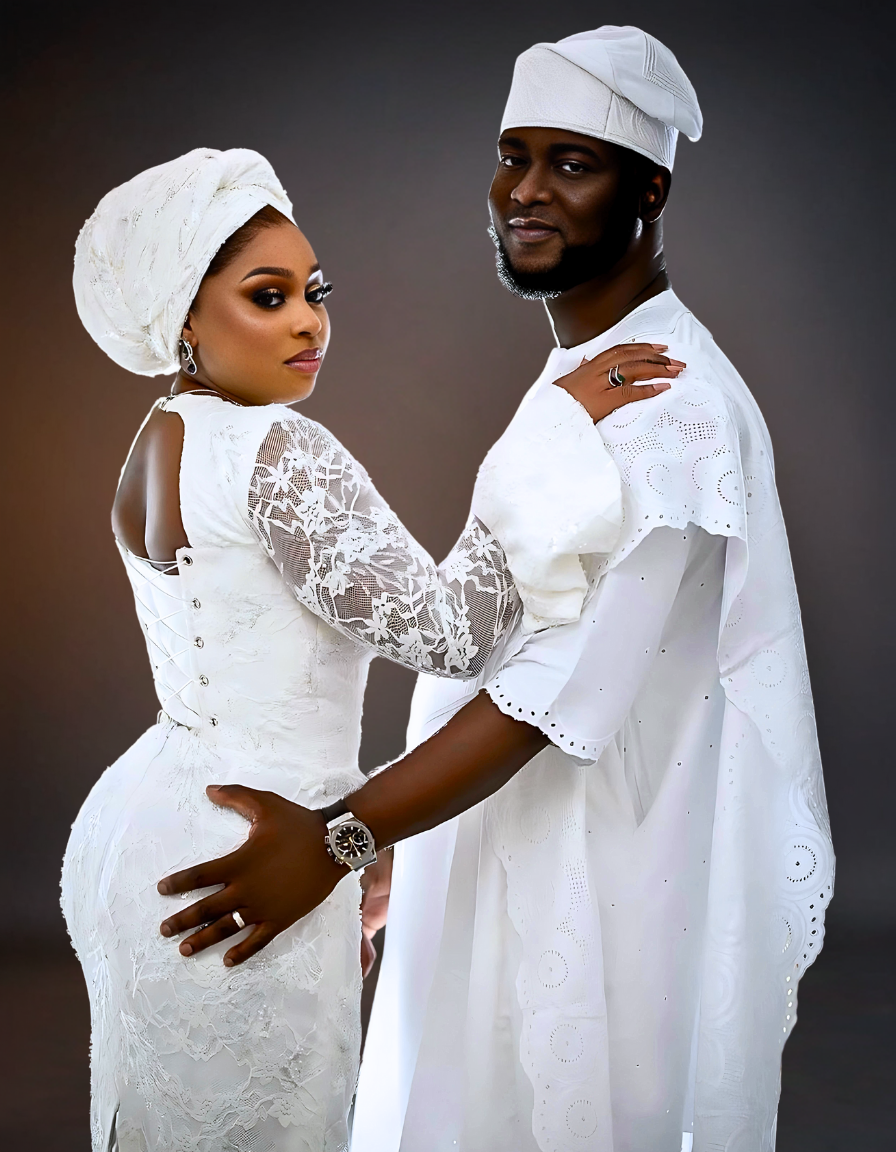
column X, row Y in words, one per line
column 590, row 383
column 283, row 868
column 376, row 884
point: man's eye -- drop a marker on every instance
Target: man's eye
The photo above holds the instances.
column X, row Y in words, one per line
column 573, row 167
column 510, row 161
column 319, row 293
column 269, row 298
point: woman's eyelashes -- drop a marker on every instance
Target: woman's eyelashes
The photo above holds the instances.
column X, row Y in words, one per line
column 318, row 293
column 269, row 298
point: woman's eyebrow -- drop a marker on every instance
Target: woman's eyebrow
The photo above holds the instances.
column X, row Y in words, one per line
column 286, row 273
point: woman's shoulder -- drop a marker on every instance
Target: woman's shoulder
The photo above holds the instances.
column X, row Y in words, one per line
column 226, row 444
column 239, row 430
column 245, row 442
column 290, row 436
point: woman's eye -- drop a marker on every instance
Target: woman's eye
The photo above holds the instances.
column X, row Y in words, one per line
column 269, row 298
column 318, row 294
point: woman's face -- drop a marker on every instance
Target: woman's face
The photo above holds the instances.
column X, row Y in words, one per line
column 259, row 329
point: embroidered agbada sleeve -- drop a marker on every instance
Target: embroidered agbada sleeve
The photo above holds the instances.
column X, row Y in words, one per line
column 578, row 683
column 551, row 492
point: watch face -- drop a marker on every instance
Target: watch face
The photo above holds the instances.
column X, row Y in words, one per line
column 350, row 841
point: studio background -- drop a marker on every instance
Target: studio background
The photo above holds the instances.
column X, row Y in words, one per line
column 381, row 121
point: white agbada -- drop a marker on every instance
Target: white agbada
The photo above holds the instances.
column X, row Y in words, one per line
column 604, row 955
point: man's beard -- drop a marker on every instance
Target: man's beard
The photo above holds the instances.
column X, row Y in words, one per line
column 576, row 266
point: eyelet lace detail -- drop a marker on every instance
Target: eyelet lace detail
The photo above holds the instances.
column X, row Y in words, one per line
column 698, row 455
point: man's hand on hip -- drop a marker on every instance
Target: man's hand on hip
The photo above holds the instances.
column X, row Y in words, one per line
column 279, row 875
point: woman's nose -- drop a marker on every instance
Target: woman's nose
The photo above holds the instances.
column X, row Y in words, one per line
column 308, row 321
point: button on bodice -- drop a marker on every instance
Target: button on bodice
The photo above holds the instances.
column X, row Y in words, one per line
column 239, row 661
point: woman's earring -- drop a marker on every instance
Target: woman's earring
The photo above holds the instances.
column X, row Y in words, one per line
column 186, row 352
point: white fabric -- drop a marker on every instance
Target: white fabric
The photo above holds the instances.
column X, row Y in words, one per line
column 666, row 862
column 543, row 525
column 616, row 84
column 261, row 674
column 140, row 257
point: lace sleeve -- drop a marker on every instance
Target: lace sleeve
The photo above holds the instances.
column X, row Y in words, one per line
column 349, row 559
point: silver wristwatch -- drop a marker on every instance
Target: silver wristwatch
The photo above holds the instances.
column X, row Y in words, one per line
column 349, row 840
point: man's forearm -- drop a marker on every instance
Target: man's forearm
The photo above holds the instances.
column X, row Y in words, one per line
column 474, row 755
column 282, row 871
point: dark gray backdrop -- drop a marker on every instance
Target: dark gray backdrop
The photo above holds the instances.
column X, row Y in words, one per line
column 381, row 121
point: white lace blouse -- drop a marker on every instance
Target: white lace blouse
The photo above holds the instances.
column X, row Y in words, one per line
column 285, row 482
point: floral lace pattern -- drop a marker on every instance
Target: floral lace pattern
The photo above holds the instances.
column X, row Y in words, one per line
column 348, row 558
column 187, row 1055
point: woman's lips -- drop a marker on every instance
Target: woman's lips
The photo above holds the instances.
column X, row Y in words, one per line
column 308, row 361
column 530, row 231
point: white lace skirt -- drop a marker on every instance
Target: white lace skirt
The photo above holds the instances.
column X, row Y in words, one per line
column 187, row 1055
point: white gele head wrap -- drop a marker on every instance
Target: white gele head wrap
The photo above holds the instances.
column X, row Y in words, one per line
column 141, row 256
column 616, row 84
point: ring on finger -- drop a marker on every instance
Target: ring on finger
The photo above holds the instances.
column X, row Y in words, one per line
column 615, row 377
column 240, row 922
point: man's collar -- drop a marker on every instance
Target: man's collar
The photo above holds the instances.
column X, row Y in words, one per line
column 655, row 316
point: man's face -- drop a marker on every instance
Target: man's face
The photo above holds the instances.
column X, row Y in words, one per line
column 564, row 208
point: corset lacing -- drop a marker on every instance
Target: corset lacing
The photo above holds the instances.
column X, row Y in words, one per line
column 161, row 610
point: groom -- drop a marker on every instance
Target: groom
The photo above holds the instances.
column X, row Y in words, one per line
column 620, row 858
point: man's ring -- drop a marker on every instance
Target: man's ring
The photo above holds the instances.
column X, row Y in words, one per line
column 615, row 377
column 240, row 922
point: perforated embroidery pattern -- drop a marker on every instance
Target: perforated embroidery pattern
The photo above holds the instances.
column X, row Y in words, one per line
column 700, row 455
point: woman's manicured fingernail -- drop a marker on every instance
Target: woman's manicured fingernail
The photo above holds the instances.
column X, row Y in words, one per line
column 681, row 362
column 186, row 949
column 162, row 888
column 659, row 347
column 228, row 963
column 165, row 930
column 663, row 387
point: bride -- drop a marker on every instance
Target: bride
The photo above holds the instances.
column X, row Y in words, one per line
column 267, row 572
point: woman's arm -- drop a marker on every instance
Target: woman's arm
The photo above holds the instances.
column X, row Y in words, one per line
column 349, row 559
